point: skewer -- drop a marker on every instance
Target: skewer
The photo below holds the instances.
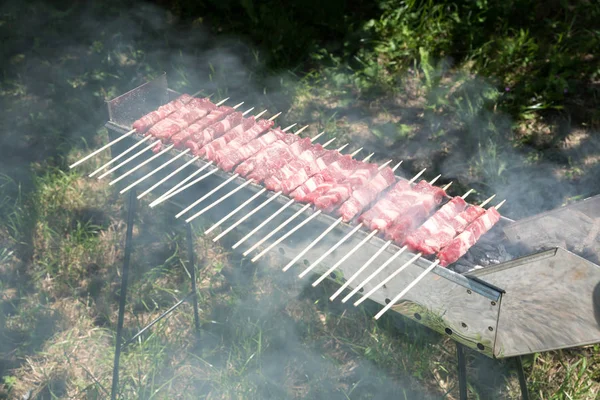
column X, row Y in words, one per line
column 117, row 140
column 390, row 277
column 381, row 268
column 106, row 146
column 289, row 203
column 231, row 178
column 361, row 269
column 157, row 184
column 139, row 153
column 331, row 250
column 312, row 244
column 343, row 259
column 180, row 169
column 300, row 225
column 225, row 218
column 416, row 280
column 149, row 174
column 149, row 160
column 118, row 157
column 231, row 193
column 179, row 188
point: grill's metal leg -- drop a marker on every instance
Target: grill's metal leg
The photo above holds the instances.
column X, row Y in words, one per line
column 522, row 379
column 123, row 295
column 193, row 276
column 462, row 371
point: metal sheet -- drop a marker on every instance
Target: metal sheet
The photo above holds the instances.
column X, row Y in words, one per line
column 127, row 108
column 552, row 301
column 575, row 227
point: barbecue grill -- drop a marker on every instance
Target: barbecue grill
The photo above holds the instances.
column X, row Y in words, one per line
column 538, row 290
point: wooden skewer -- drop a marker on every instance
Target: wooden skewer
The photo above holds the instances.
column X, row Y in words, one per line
column 106, row 146
column 179, row 188
column 410, row 285
column 343, row 259
column 231, row 178
column 149, row 160
column 391, row 276
column 118, row 157
column 117, row 140
column 331, row 250
column 283, row 224
column 222, row 101
column 293, row 230
column 157, row 184
column 290, row 232
column 241, row 206
column 360, row 270
column 149, row 174
column 406, row 289
column 447, row 186
column 139, row 153
column 275, row 116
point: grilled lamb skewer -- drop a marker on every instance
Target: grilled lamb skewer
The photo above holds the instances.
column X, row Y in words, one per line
column 222, row 198
column 144, row 123
column 383, row 171
column 455, row 250
column 318, row 261
column 170, row 126
column 252, row 119
column 240, row 207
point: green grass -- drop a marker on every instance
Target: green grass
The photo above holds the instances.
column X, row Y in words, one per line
column 470, row 90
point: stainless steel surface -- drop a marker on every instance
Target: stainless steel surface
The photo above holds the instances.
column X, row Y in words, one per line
column 128, row 107
column 575, row 227
column 552, row 301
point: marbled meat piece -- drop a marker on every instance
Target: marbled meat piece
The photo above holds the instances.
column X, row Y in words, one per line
column 148, row 120
column 232, row 158
column 365, row 195
column 459, row 246
column 221, row 142
column 437, row 231
column 248, row 135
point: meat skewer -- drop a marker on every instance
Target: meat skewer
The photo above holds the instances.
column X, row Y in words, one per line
column 337, row 168
column 376, row 272
column 286, row 222
column 354, row 250
column 480, row 226
column 179, row 187
column 166, row 128
column 289, row 233
column 153, row 145
column 118, row 157
column 160, row 182
column 225, row 218
column 222, row 198
column 286, row 205
column 329, row 229
column 390, row 277
column 166, row 109
column 149, row 174
column 318, row 261
column 231, row 178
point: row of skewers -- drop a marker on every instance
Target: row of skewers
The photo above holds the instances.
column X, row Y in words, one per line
column 403, row 211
